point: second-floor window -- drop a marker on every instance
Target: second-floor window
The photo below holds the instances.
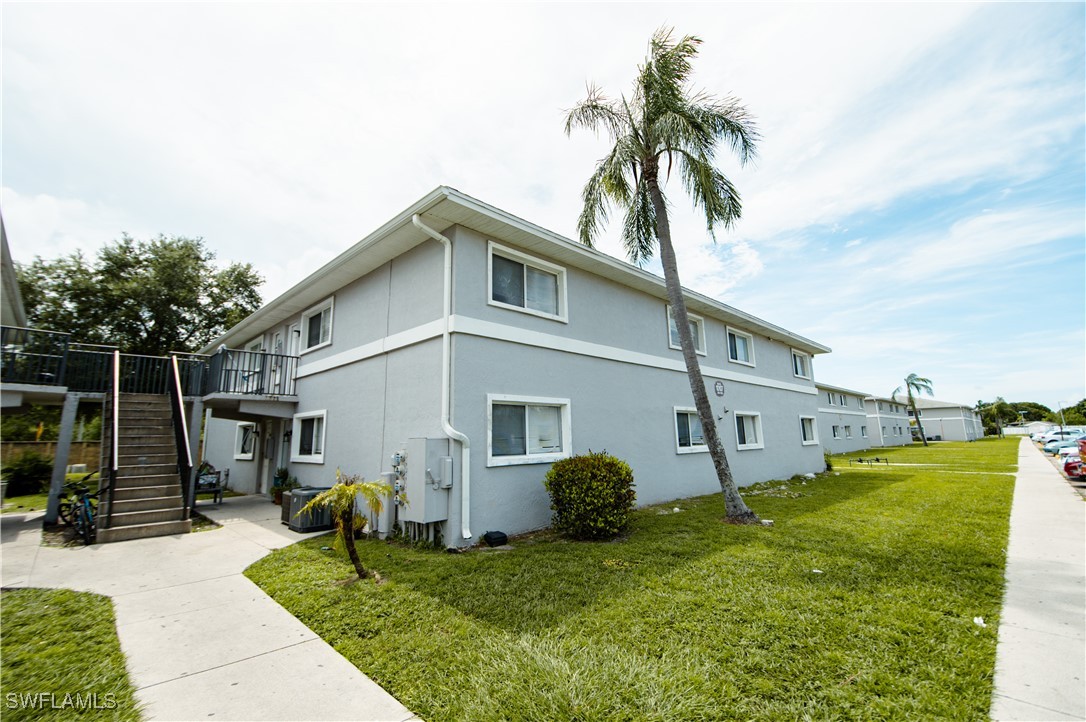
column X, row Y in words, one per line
column 317, row 326
column 528, row 284
column 697, row 330
column 740, row 347
column 801, row 364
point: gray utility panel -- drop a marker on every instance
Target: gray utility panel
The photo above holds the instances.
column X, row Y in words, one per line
column 426, row 474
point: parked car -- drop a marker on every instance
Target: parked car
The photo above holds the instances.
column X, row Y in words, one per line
column 1038, row 435
column 1064, row 451
column 1061, row 434
column 1053, row 447
column 1073, row 467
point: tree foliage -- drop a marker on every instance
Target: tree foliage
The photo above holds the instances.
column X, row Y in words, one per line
column 342, row 501
column 913, row 387
column 146, row 297
column 664, row 125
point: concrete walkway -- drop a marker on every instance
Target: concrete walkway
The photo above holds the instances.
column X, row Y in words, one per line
column 202, row 641
column 1041, row 655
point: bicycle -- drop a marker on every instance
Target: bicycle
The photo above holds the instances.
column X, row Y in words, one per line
column 80, row 510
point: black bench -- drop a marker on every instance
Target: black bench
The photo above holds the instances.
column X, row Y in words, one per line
column 869, row 462
column 209, row 482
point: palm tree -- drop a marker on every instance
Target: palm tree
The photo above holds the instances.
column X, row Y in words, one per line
column 664, row 120
column 342, row 500
column 917, row 384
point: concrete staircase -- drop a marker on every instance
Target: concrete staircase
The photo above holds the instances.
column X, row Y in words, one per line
column 147, row 499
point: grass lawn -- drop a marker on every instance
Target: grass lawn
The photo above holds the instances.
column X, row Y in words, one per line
column 859, row 603
column 58, row 644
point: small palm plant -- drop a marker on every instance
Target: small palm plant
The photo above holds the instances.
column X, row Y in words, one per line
column 342, row 500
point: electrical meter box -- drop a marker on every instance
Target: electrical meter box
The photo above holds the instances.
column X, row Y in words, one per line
column 427, row 478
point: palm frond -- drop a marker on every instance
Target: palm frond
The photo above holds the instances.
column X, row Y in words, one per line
column 608, row 183
column 596, row 111
column 639, row 226
column 711, row 191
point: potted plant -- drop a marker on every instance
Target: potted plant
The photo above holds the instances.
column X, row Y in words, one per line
column 281, row 475
column 277, row 491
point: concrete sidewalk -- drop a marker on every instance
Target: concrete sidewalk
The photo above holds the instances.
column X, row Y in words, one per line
column 201, row 640
column 1041, row 654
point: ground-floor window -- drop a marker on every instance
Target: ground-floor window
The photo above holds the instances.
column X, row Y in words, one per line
column 689, row 435
column 836, row 431
column 527, row 430
column 245, row 441
column 748, row 430
column 807, row 430
column 307, row 438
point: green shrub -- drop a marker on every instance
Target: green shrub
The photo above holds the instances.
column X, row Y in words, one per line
column 28, row 473
column 591, row 495
column 828, row 460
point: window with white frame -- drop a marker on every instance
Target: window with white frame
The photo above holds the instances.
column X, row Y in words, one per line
column 836, row 431
column 880, row 406
column 848, row 431
column 829, row 398
column 884, row 432
column 863, row 431
column 697, row 331
column 748, row 430
column 801, row 364
column 307, row 437
column 317, row 326
column 523, row 283
column 807, row 430
column 245, row 441
column 860, row 402
column 841, row 400
column 689, row 435
column 740, row 347
column 527, row 430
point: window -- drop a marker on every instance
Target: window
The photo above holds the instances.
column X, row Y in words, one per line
column 317, row 326
column 801, row 364
column 880, row 406
column 527, row 430
column 307, row 438
column 884, row 432
column 697, row 330
column 863, row 431
column 829, row 397
column 689, row 436
column 860, row 402
column 841, row 400
column 523, row 283
column 740, row 347
column 245, row 441
column 836, row 431
column 748, row 430
column 807, row 430
column 848, row 432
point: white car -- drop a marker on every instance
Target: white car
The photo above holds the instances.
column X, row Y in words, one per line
column 1060, row 435
column 1067, row 451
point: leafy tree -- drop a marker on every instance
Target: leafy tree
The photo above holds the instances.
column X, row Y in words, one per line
column 1071, row 416
column 664, row 120
column 1030, row 411
column 147, row 297
column 342, row 499
column 23, row 424
column 995, row 414
column 915, row 385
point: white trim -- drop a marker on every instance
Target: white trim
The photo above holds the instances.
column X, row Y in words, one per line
column 807, row 363
column 760, row 444
column 563, row 406
column 699, row 322
column 296, row 437
column 814, row 430
column 526, row 260
column 240, row 455
column 841, row 412
column 693, row 448
column 513, row 334
column 329, row 304
column 728, row 331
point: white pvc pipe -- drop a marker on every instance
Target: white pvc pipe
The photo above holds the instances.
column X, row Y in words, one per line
column 446, row 383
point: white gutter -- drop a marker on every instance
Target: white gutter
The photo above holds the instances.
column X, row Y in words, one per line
column 446, row 383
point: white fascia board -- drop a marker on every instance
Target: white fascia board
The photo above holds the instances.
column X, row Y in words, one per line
column 826, row 387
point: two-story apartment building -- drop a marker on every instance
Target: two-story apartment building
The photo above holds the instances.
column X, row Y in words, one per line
column 842, row 419
column 509, row 347
column 887, row 421
column 948, row 421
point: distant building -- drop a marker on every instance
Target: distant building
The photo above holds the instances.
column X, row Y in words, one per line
column 948, row 421
column 842, row 419
column 887, row 421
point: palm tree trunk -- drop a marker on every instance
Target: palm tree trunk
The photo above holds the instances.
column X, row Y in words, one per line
column 736, row 509
column 346, row 535
column 916, row 415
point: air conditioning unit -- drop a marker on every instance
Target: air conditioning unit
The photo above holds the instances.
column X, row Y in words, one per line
column 312, row 520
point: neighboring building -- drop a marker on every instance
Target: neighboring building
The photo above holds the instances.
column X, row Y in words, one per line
column 1027, row 429
column 887, row 422
column 842, row 419
column 508, row 347
column 12, row 312
column 947, row 421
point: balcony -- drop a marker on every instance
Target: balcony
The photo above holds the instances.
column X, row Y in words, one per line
column 39, row 366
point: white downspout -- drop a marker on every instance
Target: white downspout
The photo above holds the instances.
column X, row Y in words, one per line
column 446, row 383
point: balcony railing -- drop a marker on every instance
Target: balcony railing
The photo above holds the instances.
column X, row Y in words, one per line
column 48, row 358
column 251, row 372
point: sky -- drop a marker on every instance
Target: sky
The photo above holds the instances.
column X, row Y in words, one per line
column 918, row 203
